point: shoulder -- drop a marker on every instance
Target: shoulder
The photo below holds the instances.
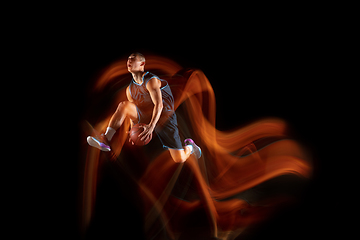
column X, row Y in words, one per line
column 149, row 76
column 152, row 81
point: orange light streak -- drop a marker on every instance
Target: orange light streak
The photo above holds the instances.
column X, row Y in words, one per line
column 231, row 163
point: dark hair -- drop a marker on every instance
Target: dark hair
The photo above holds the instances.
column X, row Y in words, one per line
column 141, row 56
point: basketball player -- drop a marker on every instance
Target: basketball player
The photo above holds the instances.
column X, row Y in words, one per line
column 150, row 101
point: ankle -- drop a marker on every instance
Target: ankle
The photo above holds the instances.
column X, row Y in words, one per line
column 191, row 148
column 109, row 133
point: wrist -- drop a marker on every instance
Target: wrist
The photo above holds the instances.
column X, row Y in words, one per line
column 152, row 126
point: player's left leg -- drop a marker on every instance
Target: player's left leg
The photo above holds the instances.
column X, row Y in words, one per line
column 181, row 155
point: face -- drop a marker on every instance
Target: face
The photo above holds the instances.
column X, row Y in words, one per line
column 134, row 64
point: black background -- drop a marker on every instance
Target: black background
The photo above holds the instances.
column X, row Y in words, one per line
column 281, row 61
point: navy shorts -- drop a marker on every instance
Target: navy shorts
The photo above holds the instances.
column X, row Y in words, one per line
column 166, row 128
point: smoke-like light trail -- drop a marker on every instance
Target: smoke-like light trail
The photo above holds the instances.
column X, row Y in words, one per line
column 232, row 162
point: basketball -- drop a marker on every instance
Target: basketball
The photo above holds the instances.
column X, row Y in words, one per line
column 134, row 133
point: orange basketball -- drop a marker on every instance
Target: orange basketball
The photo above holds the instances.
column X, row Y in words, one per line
column 134, row 135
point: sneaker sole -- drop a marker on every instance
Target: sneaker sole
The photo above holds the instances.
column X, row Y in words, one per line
column 95, row 143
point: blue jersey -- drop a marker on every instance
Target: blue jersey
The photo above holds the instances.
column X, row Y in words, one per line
column 142, row 99
column 166, row 128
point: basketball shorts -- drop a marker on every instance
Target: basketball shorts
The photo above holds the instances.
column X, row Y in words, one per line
column 166, row 129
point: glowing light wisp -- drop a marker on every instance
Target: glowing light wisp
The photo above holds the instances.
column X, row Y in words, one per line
column 232, row 161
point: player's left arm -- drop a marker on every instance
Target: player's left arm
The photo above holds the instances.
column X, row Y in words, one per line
column 153, row 86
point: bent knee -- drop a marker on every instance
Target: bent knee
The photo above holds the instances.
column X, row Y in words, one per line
column 178, row 156
column 122, row 106
column 127, row 108
column 179, row 160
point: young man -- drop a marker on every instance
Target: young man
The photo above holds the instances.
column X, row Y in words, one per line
column 150, row 101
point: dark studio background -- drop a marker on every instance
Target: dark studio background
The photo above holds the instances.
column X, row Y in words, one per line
column 257, row 69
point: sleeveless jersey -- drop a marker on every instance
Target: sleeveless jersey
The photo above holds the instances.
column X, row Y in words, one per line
column 141, row 95
column 166, row 128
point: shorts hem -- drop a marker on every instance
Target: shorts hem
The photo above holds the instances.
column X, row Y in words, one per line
column 164, row 146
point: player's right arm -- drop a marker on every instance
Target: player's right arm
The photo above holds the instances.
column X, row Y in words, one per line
column 128, row 95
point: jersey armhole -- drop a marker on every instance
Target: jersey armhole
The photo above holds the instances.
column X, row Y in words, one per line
column 147, row 81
